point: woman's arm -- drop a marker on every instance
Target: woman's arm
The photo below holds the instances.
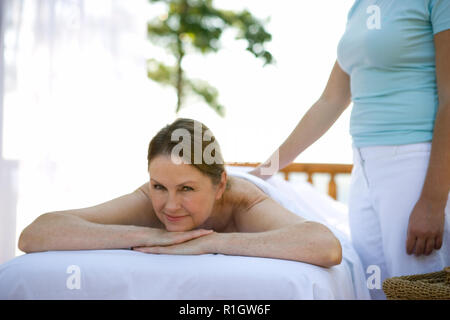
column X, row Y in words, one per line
column 308, row 242
column 320, row 117
column 426, row 223
column 65, row 231
column 269, row 230
column 124, row 222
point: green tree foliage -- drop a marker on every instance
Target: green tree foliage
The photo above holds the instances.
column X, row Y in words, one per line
column 196, row 25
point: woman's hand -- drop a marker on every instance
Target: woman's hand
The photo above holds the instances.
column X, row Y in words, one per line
column 426, row 227
column 201, row 244
column 161, row 237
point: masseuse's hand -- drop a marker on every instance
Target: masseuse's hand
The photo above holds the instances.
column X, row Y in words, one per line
column 257, row 173
column 200, row 245
column 426, row 227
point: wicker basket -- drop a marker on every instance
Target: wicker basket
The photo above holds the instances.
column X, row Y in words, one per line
column 428, row 286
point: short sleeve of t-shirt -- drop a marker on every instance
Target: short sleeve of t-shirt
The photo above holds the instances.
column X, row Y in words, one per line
column 440, row 15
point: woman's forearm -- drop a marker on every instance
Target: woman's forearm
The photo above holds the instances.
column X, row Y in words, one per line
column 60, row 231
column 308, row 242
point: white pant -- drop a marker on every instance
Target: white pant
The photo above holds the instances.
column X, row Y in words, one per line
column 386, row 183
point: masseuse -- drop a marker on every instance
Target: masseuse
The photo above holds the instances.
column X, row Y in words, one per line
column 393, row 63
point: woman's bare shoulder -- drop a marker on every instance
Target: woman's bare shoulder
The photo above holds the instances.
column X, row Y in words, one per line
column 243, row 194
column 258, row 212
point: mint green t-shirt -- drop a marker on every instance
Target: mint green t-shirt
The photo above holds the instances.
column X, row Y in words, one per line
column 388, row 51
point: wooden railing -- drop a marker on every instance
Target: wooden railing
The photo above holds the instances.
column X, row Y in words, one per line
column 310, row 169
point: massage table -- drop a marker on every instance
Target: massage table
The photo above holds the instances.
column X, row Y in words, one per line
column 127, row 274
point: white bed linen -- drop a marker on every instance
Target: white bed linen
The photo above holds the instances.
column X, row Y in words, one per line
column 126, row 274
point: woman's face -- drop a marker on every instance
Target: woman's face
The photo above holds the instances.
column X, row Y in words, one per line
column 182, row 197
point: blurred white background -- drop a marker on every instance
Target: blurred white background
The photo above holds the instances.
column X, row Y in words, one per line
column 79, row 110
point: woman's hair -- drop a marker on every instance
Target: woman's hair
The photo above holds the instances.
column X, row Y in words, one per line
column 191, row 141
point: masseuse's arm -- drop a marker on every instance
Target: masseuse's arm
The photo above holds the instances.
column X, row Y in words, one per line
column 320, row 117
column 426, row 223
column 123, row 222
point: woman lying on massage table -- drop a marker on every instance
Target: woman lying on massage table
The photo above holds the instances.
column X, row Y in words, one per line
column 189, row 206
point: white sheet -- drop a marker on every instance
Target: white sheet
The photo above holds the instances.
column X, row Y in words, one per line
column 126, row 274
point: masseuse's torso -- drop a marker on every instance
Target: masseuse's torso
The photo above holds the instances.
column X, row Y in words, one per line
column 388, row 51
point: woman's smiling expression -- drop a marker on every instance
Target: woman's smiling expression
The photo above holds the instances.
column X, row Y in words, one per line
column 183, row 197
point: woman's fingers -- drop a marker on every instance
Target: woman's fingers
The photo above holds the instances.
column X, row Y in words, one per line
column 179, row 243
column 178, row 237
column 162, row 237
column 147, row 249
